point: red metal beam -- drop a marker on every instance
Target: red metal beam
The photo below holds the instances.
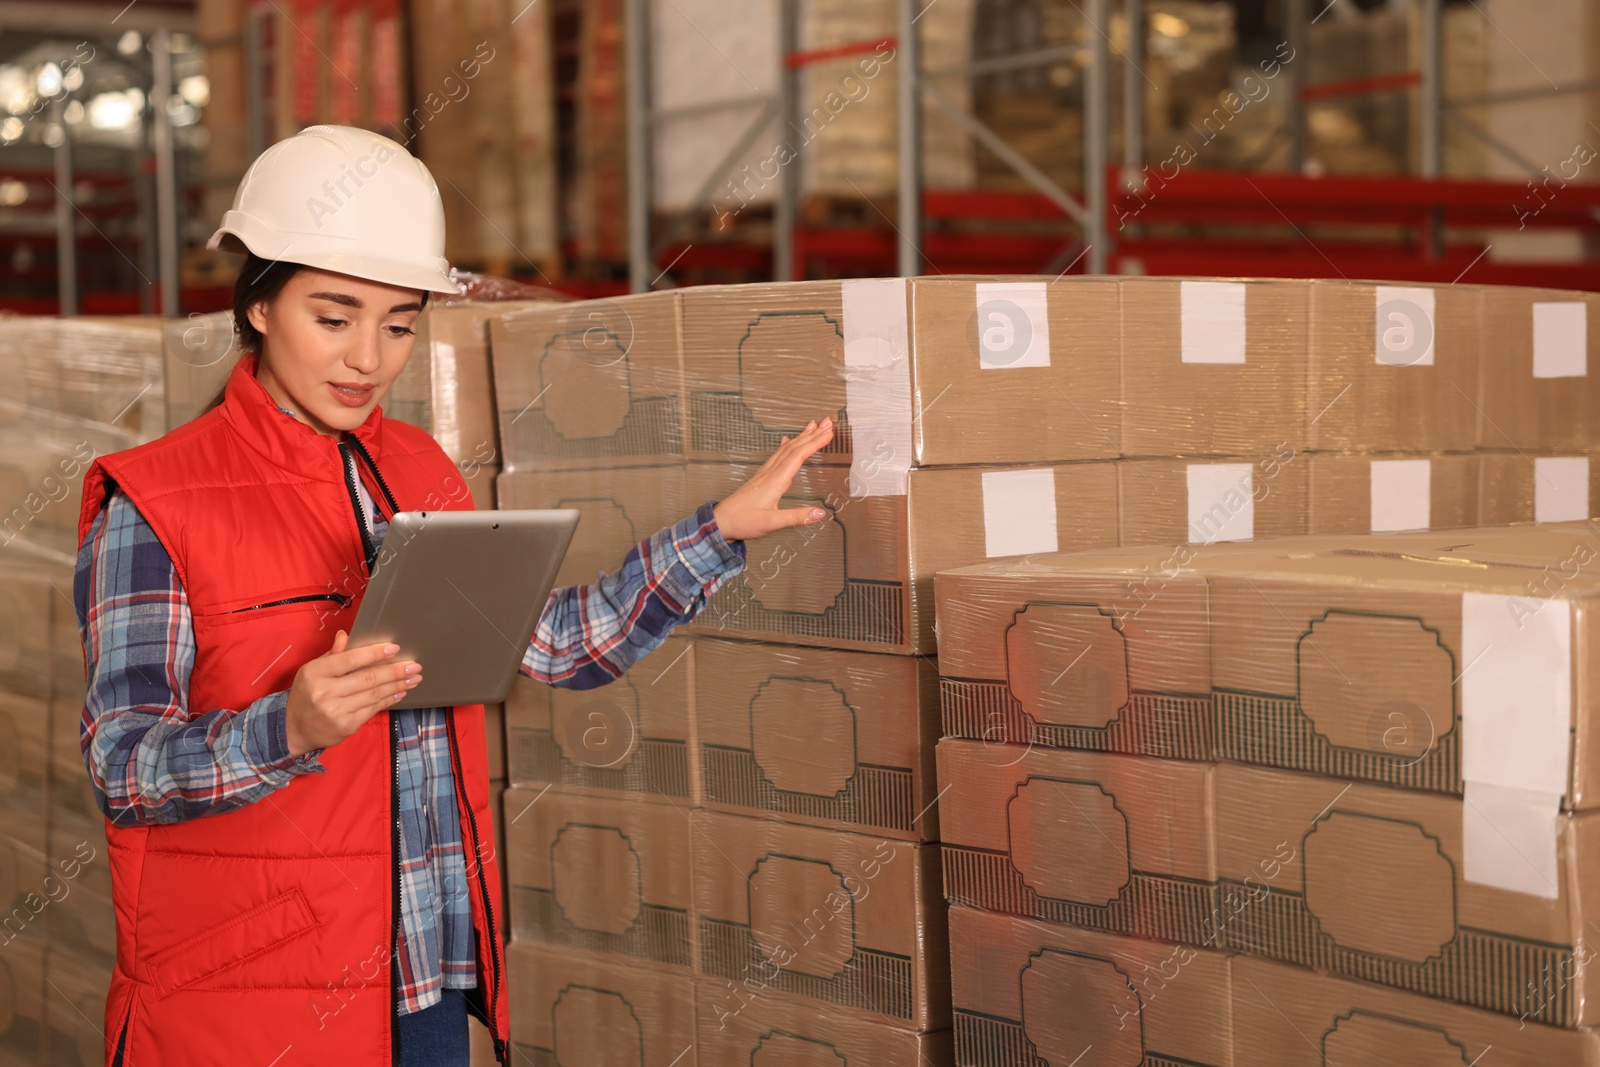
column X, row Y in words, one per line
column 1378, row 83
column 796, row 60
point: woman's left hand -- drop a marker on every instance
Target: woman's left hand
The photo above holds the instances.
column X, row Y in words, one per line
column 752, row 509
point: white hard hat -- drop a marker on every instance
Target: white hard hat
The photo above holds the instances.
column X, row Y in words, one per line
column 345, row 200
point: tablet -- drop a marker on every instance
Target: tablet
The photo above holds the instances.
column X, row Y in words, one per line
column 461, row 593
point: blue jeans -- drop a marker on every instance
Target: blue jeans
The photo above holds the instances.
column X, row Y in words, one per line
column 436, row 1036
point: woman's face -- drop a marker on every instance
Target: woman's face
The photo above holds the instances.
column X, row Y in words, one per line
column 332, row 345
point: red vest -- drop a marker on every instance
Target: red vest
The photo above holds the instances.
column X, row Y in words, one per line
column 264, row 935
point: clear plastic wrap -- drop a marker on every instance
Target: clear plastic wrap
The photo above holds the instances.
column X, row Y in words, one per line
column 773, row 1028
column 1052, row 996
column 1383, row 743
column 842, row 740
column 598, row 1011
column 632, row 737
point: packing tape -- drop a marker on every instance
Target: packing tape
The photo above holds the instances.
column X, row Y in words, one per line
column 1019, row 512
column 1222, row 505
column 877, row 361
column 1211, row 317
column 1516, row 722
column 1401, row 494
column 1561, row 340
column 1404, row 331
column 1013, row 325
column 1509, row 839
column 1560, row 488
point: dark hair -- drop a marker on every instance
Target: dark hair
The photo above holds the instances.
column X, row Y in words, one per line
column 260, row 281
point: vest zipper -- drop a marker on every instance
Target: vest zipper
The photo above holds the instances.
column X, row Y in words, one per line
column 501, row 1046
column 394, row 864
column 343, row 601
column 369, row 549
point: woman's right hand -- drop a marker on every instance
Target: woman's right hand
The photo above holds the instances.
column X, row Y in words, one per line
column 334, row 694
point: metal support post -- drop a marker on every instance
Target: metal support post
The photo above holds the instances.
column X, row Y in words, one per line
column 255, row 86
column 787, row 195
column 1096, row 132
column 1294, row 28
column 1133, row 95
column 166, row 175
column 1431, row 102
column 636, row 56
column 66, row 224
column 1431, row 154
column 910, row 137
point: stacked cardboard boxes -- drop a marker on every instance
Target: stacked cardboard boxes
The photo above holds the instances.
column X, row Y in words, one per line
column 79, row 389
column 791, row 740
column 76, row 389
column 1366, row 758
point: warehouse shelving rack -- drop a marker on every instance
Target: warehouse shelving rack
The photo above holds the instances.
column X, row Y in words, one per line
column 1426, row 220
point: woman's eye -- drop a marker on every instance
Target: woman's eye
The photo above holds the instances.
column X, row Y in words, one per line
column 402, row 331
column 333, row 322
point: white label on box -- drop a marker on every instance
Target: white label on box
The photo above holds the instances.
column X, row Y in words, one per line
column 1401, row 494
column 1510, row 839
column 1222, row 505
column 1560, row 488
column 877, row 361
column 1019, row 512
column 1211, row 316
column 1516, row 691
column 1405, row 327
column 1561, row 340
column 1013, row 325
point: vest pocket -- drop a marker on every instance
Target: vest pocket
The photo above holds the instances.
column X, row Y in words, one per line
column 231, row 943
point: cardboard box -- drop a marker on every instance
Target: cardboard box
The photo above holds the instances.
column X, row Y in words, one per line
column 1393, row 368
column 632, row 736
column 1382, row 658
column 924, row 371
column 1093, row 839
column 25, row 753
column 71, row 788
column 40, row 653
column 618, row 509
column 1213, row 367
column 836, row 739
column 770, row 1028
column 864, row 578
column 75, row 1006
column 81, row 914
column 99, row 373
column 1466, row 900
column 601, row 874
column 1389, row 492
column 1289, row 1017
column 198, row 354
column 1539, row 387
column 22, row 1002
column 1105, row 650
column 597, row 1011
column 447, row 387
column 1536, row 487
column 494, row 729
column 842, row 919
column 591, row 383
column 42, row 464
column 1046, row 994
column 1175, row 501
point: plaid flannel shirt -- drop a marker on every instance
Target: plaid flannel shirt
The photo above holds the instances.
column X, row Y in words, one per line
column 153, row 759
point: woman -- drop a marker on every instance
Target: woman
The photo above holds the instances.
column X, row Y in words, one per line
column 301, row 875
